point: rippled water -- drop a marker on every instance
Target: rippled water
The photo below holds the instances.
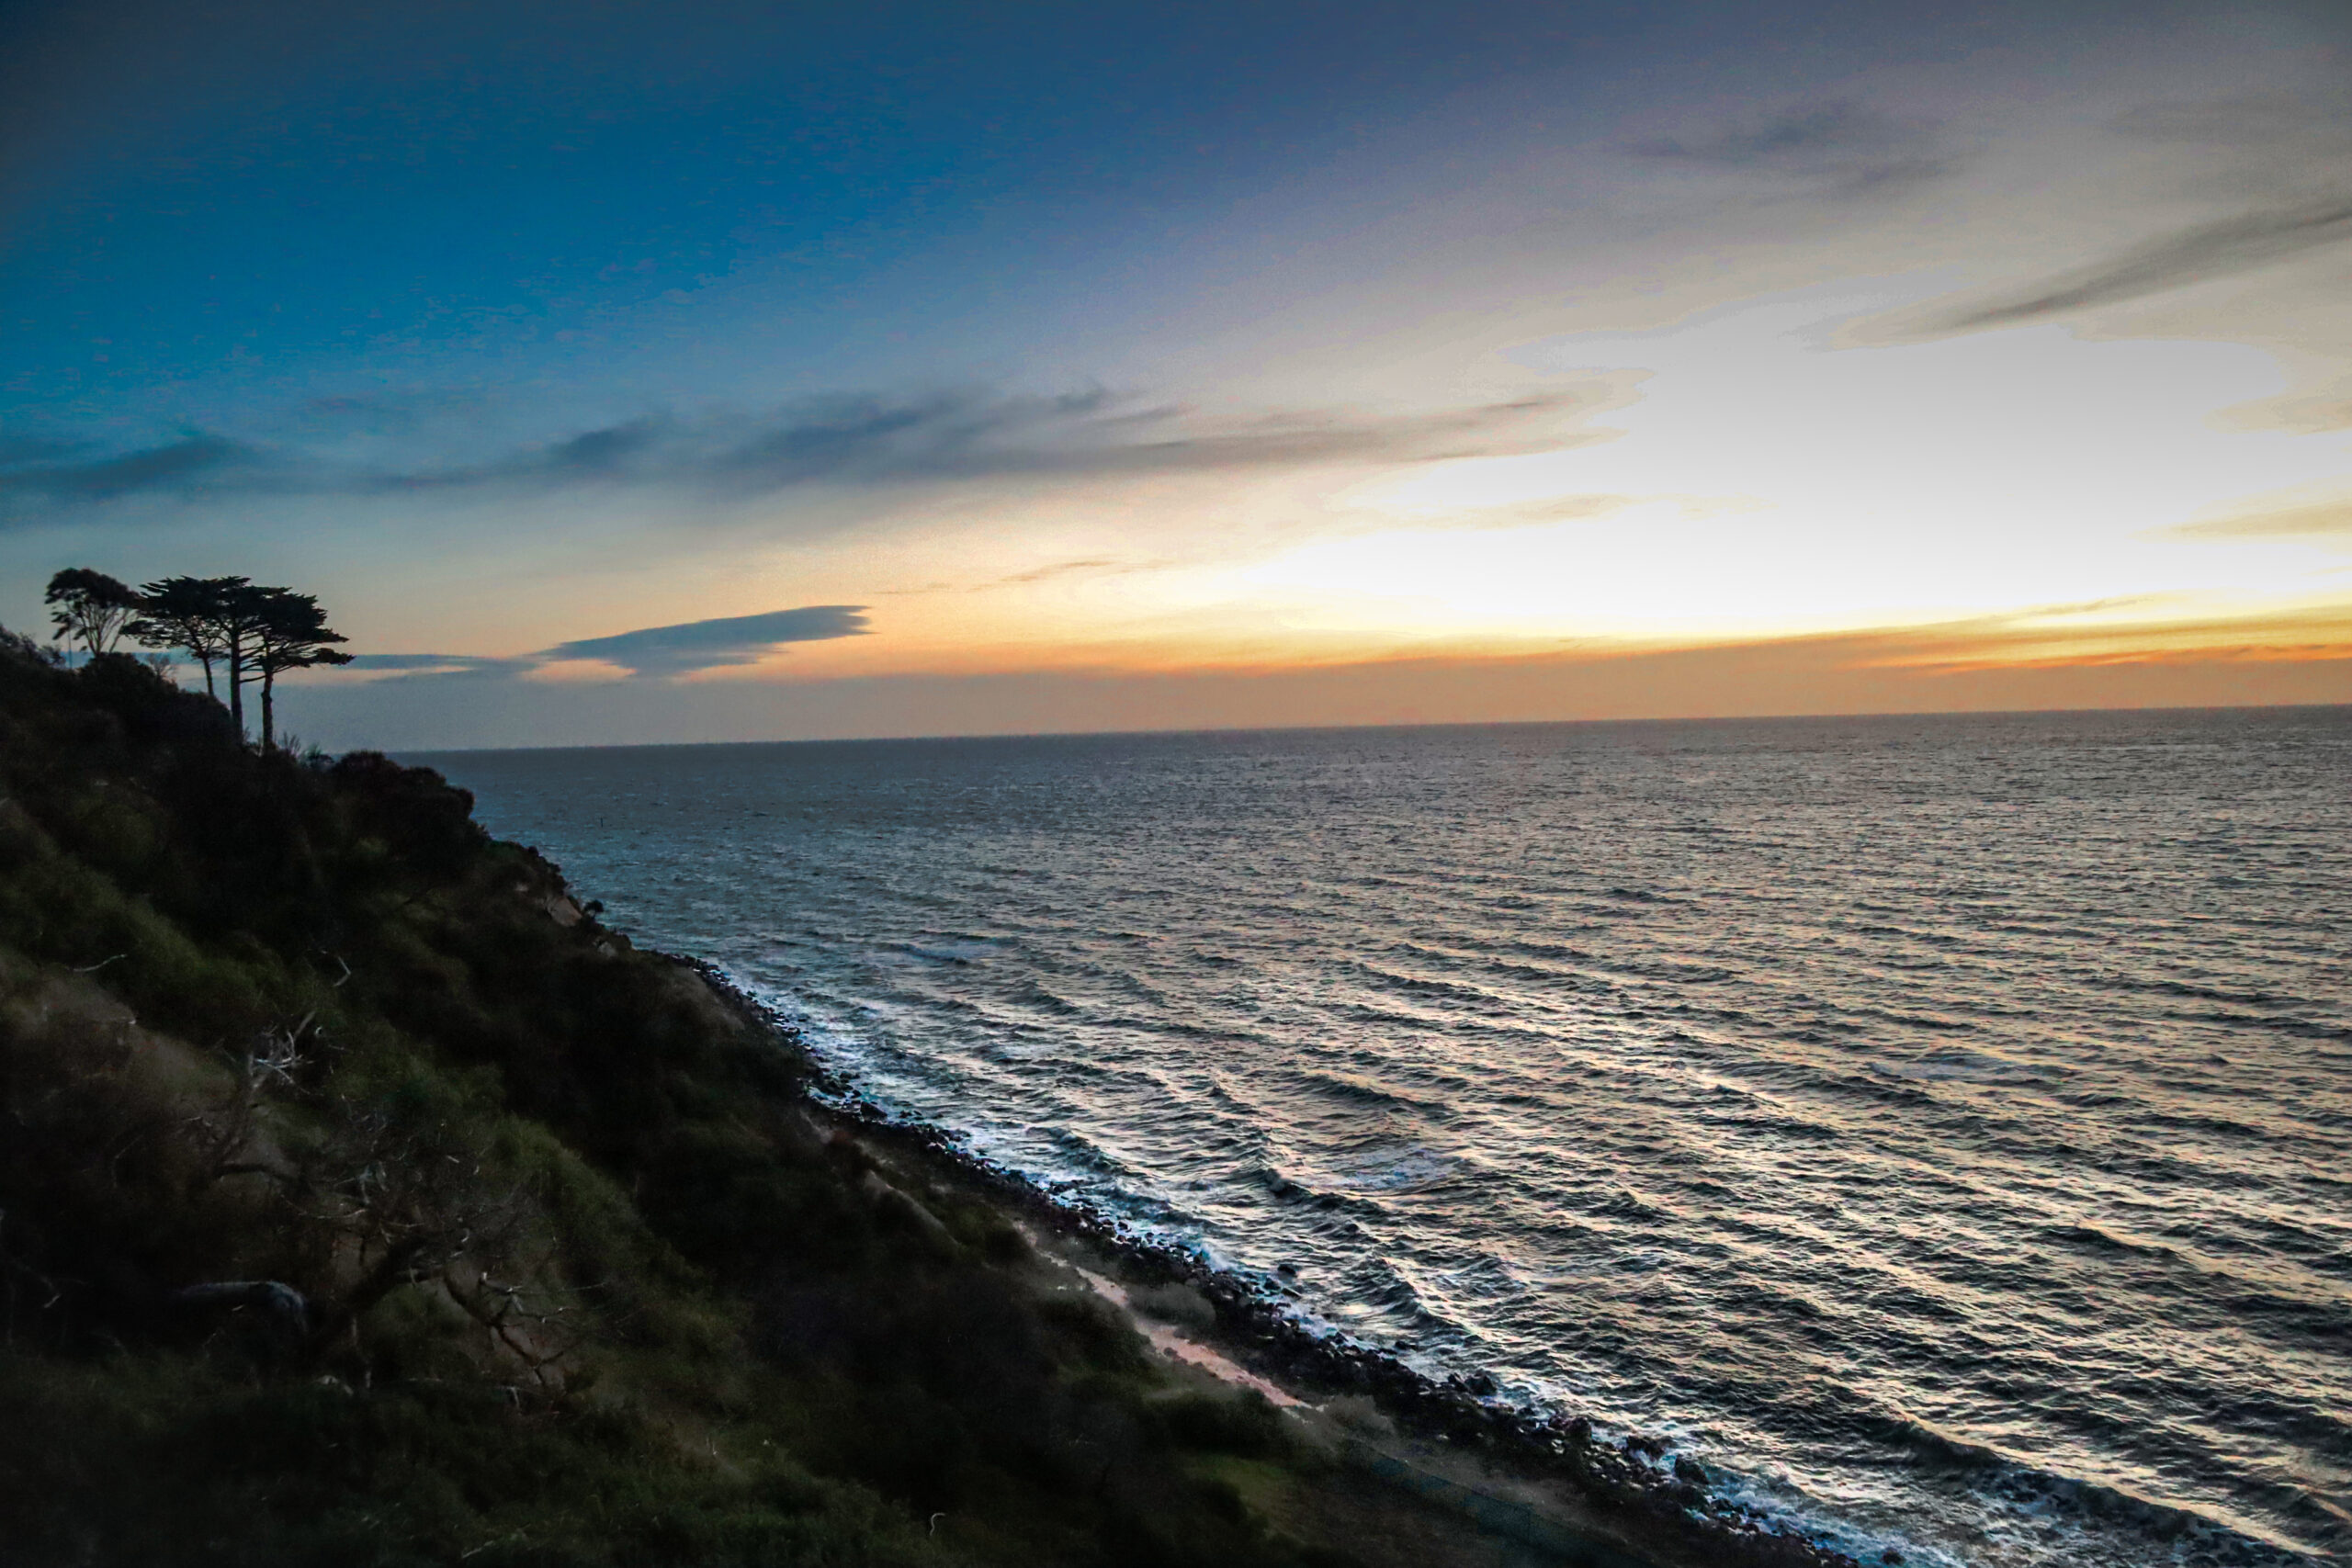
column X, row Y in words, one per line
column 1937, row 1125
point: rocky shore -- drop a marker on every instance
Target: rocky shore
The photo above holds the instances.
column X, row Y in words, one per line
column 1547, row 1479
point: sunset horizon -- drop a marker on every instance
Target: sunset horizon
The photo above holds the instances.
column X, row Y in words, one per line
column 1199, row 375
column 1257, row 784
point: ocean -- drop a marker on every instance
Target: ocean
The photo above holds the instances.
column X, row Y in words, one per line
column 1940, row 1128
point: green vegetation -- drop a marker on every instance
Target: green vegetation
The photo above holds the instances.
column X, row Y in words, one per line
column 365, row 1202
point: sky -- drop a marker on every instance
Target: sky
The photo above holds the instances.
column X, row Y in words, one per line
column 621, row 373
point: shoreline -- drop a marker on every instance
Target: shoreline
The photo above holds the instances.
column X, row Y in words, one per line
column 1549, row 1481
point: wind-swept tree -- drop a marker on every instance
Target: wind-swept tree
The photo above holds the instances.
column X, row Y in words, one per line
column 242, row 606
column 189, row 614
column 91, row 608
column 225, row 614
column 289, row 632
column 258, row 633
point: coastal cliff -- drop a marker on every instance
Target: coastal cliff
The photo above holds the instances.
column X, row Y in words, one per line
column 364, row 1200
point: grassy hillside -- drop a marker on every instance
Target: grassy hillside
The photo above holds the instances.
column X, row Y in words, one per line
column 363, row 1201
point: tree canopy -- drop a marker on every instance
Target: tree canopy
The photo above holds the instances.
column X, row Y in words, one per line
column 187, row 613
column 290, row 632
column 258, row 633
column 90, row 608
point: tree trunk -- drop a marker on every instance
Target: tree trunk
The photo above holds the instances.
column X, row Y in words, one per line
column 237, row 683
column 269, row 725
column 206, row 660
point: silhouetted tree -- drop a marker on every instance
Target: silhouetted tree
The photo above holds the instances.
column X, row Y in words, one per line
column 227, row 612
column 289, row 632
column 259, row 633
column 189, row 613
column 242, row 608
column 91, row 607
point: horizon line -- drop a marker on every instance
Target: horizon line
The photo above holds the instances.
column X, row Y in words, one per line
column 1428, row 724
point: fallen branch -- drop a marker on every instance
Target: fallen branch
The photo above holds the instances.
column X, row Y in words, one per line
column 282, row 1304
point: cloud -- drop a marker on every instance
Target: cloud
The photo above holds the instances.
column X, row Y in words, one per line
column 616, row 452
column 707, row 645
column 1838, row 147
column 680, row 650
column 1997, row 666
column 2311, row 410
column 873, row 440
column 437, row 661
column 2322, row 519
column 179, row 466
column 855, row 440
column 2234, row 244
column 1096, row 566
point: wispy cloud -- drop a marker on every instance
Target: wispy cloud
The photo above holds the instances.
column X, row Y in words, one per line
column 846, row 440
column 866, row 440
column 1999, row 664
column 2321, row 519
column 1095, row 567
column 1839, row 147
column 723, row 642
column 439, row 663
column 2231, row 245
column 2066, row 637
column 40, row 476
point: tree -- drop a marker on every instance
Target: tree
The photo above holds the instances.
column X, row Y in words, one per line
column 289, row 632
column 238, row 609
column 220, row 615
column 91, row 607
column 259, row 633
column 189, row 614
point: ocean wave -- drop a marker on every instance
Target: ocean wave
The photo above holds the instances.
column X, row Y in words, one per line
column 2188, row 1534
column 1726, row 1082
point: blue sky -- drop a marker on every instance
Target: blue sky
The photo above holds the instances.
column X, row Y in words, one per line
column 1209, row 345
column 308, row 202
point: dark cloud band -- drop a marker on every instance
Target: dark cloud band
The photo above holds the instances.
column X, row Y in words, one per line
column 177, row 466
column 1837, row 148
column 722, row 642
column 704, row 645
column 849, row 440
